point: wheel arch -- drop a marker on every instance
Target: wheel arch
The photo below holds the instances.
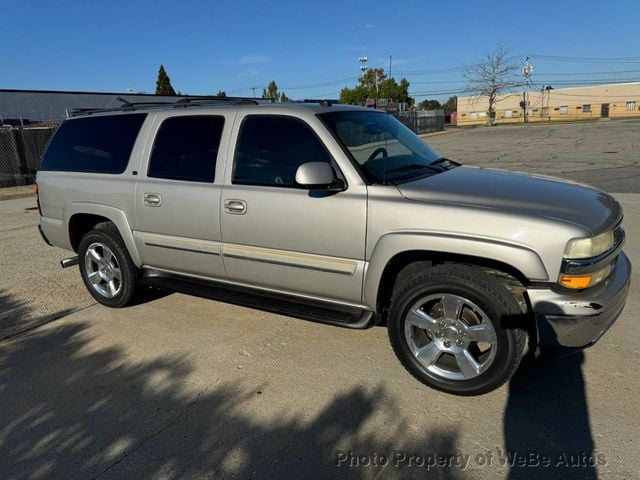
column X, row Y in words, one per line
column 394, row 252
column 81, row 217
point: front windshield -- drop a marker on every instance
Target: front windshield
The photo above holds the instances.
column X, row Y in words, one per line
column 383, row 148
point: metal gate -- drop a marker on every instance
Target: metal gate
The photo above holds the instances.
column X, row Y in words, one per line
column 423, row 121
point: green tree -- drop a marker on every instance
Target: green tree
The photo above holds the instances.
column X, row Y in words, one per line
column 221, row 93
column 451, row 103
column 429, row 105
column 163, row 84
column 272, row 92
column 375, row 84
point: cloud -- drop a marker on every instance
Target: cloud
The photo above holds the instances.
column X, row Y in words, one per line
column 249, row 72
column 395, row 61
column 369, row 25
column 354, row 48
column 248, row 60
column 252, row 59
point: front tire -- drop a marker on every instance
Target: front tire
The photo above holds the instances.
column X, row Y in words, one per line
column 456, row 329
column 106, row 266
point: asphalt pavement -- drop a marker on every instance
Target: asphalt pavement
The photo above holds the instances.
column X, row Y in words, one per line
column 601, row 153
column 184, row 387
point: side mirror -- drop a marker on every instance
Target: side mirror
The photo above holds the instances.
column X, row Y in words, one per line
column 318, row 175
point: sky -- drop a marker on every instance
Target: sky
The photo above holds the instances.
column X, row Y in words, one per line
column 310, row 49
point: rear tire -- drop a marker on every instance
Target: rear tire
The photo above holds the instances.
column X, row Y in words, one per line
column 106, row 266
column 456, row 329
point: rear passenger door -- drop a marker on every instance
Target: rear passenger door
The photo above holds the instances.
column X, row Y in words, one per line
column 177, row 204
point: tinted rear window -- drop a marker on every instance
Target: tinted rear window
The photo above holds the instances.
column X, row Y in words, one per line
column 186, row 148
column 93, row 144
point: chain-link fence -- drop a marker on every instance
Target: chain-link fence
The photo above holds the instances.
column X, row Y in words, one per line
column 423, row 121
column 21, row 152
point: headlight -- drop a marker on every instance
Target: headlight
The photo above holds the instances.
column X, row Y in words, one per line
column 589, row 247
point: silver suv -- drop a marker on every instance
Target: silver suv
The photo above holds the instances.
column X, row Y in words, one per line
column 341, row 215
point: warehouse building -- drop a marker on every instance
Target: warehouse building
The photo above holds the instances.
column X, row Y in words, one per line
column 619, row 100
column 51, row 106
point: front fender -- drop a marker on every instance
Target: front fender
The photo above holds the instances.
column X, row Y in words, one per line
column 117, row 216
column 521, row 258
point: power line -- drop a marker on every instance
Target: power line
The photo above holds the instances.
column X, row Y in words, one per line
column 303, row 86
column 591, row 73
column 559, row 58
column 604, row 95
column 587, row 82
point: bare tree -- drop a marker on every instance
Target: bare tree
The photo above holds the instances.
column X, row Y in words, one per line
column 494, row 75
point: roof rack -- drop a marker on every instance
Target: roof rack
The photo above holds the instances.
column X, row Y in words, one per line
column 180, row 103
column 322, row 101
column 234, row 100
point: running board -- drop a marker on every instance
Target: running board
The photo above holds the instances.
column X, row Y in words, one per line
column 281, row 304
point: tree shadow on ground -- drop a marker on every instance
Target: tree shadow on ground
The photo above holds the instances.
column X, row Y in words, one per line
column 547, row 416
column 71, row 409
column 16, row 316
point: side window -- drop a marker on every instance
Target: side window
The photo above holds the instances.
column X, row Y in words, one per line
column 100, row 144
column 186, row 148
column 271, row 148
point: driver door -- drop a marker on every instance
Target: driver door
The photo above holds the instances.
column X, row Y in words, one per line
column 278, row 236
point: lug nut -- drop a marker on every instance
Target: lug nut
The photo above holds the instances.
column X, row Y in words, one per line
column 439, row 333
column 447, row 343
column 459, row 343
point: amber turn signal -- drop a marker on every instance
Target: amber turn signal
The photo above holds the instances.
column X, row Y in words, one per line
column 575, row 281
column 586, row 280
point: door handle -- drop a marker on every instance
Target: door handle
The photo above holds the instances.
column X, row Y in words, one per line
column 152, row 199
column 235, row 207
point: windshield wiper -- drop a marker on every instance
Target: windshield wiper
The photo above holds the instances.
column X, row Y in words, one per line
column 445, row 161
column 413, row 166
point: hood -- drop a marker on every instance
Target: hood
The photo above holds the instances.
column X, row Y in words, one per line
column 520, row 193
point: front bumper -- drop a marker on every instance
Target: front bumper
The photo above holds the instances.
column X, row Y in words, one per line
column 579, row 319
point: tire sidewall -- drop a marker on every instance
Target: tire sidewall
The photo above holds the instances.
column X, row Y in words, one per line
column 128, row 283
column 506, row 341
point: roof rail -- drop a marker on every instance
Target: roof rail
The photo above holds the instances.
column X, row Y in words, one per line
column 322, row 101
column 212, row 99
column 180, row 103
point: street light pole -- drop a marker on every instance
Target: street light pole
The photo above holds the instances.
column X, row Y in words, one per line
column 527, row 70
column 363, row 69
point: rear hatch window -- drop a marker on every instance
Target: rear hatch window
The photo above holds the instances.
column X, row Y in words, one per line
column 93, row 144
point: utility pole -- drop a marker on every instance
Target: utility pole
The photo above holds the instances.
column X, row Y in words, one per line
column 527, row 70
column 254, row 91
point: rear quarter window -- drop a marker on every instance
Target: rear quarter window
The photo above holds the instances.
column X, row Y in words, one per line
column 93, row 144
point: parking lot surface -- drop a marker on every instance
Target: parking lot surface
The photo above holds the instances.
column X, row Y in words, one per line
column 603, row 154
column 184, row 387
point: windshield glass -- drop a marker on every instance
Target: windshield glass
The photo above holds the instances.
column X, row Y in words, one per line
column 384, row 149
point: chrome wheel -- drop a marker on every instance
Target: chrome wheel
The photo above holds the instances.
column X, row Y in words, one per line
column 102, row 270
column 450, row 336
